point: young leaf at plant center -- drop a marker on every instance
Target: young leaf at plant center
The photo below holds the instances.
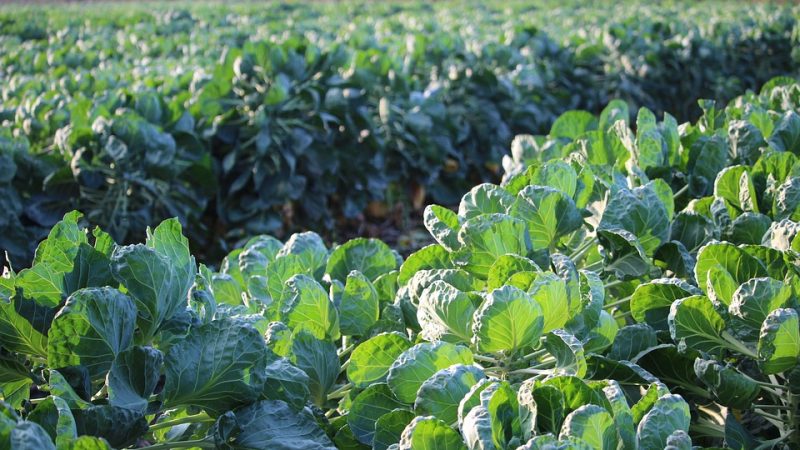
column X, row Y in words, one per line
column 430, row 433
column 445, row 311
column 549, row 214
column 508, row 320
column 359, row 305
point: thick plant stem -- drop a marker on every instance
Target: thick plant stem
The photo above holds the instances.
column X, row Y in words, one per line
column 681, row 191
column 197, row 418
column 202, row 443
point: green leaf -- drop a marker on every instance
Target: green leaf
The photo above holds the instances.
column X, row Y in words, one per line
column 549, row 214
column 508, row 320
column 632, row 340
column 433, row 256
column 650, row 302
column 443, row 224
column 641, row 212
column 623, row 254
column 309, row 249
column 692, row 230
column 95, row 325
column 368, row 406
column 694, row 324
column 419, row 363
column 556, row 174
column 732, row 260
column 550, row 292
column 568, row 352
column 307, row 307
column 670, row 413
column 319, row 360
column 494, row 422
column 287, row 383
column 389, row 427
column 359, row 305
column 17, row 332
column 487, row 237
column 30, row 436
column 54, row 415
column 269, row 424
column 484, row 198
column 572, row 124
column 156, row 283
column 785, row 136
column 550, row 408
column 621, row 412
column 371, row 360
column 278, row 273
column 444, row 310
column 429, row 433
column 592, row 424
column 217, row 367
column 754, row 300
column 729, row 386
column 369, row 256
column 121, row 427
column 133, row 377
column 440, row 395
column 505, row 267
column 779, row 342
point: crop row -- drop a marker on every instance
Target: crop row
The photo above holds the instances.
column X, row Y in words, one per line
column 620, row 289
column 268, row 120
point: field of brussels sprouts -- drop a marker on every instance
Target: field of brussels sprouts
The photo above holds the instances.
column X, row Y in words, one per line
column 630, row 279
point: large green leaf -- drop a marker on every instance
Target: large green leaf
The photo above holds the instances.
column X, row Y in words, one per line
column 779, row 342
column 641, row 212
column 484, row 198
column 695, row 325
column 732, row 261
column 218, row 366
column 389, row 427
column 307, row 307
column 359, row 305
column 419, row 363
column 592, row 424
column 486, row 237
column 133, row 377
column 269, row 424
column 650, row 302
column 368, row 406
column 550, row 292
column 670, row 413
column 440, row 395
column 443, row 224
column 444, row 310
column 371, row 360
column 429, row 433
column 95, row 325
column 369, row 256
column 319, row 360
column 508, row 320
column 549, row 214
column 754, row 300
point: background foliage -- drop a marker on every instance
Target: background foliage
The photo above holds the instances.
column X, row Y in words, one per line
column 246, row 119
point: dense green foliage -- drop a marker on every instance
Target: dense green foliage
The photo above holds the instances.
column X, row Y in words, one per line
column 255, row 119
column 620, row 289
